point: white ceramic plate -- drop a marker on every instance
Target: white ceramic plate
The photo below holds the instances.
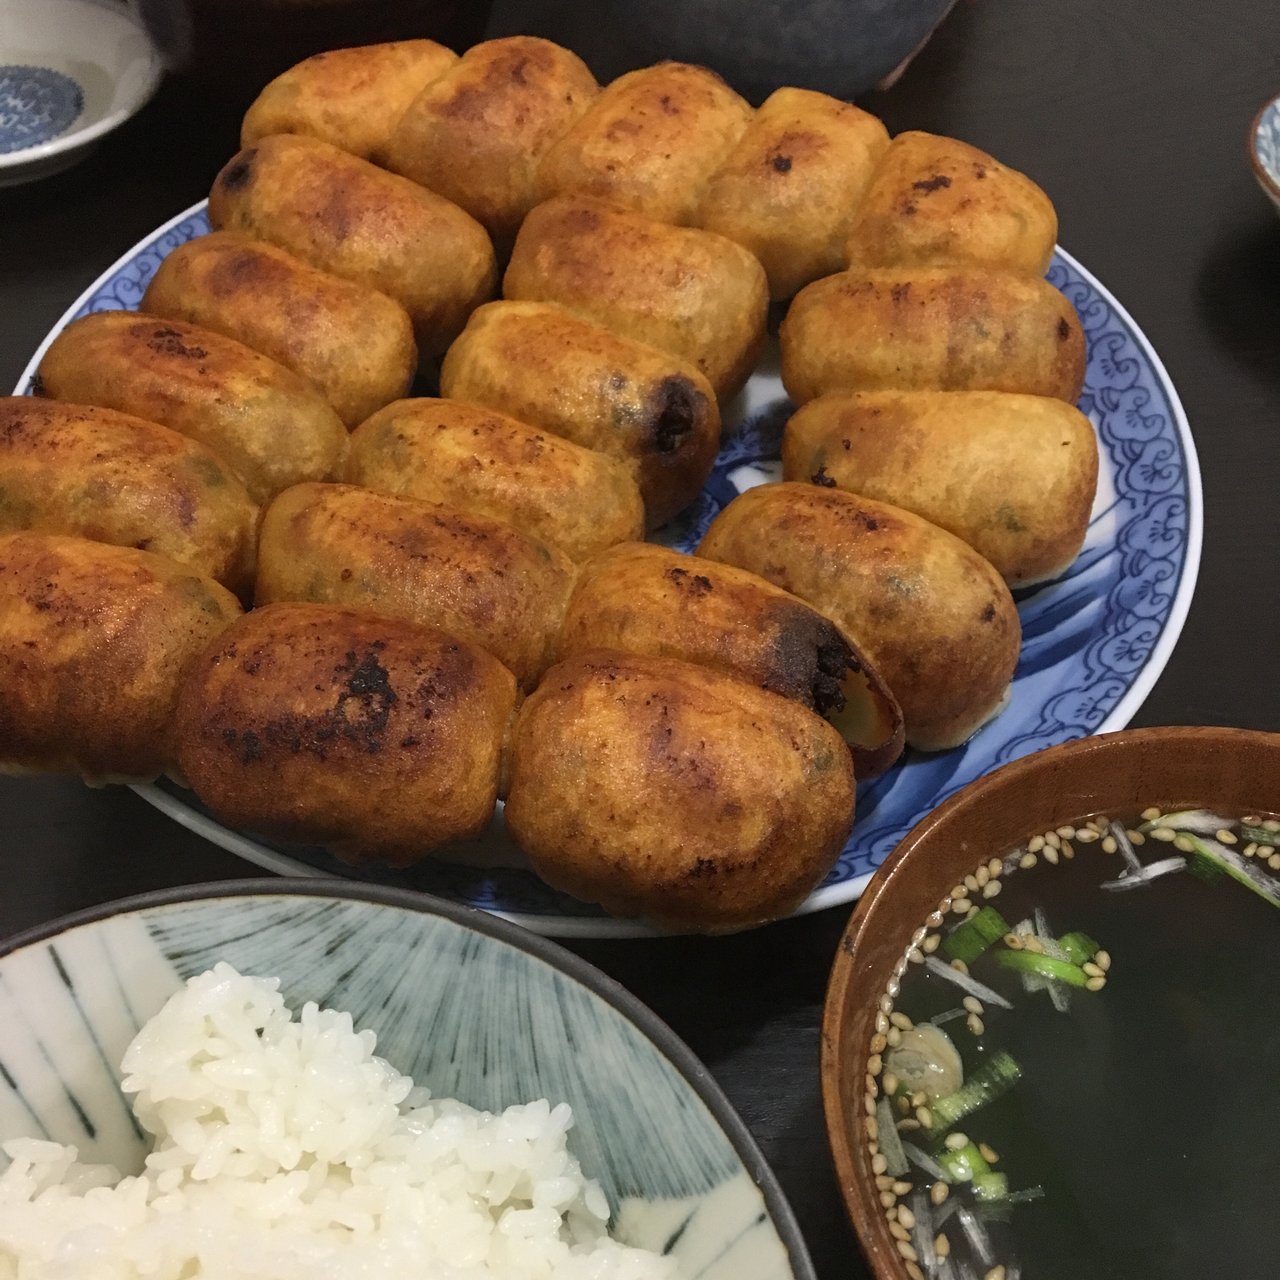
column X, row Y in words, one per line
column 1094, row 640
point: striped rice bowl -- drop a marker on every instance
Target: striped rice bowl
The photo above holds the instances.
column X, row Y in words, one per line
column 285, row 1148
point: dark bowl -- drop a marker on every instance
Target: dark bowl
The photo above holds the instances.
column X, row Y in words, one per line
column 1232, row 768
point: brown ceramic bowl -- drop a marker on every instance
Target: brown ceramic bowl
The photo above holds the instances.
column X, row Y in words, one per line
column 1234, row 769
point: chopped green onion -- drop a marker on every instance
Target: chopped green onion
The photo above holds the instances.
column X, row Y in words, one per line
column 1078, row 947
column 965, row 1164
column 974, row 936
column 1238, row 867
column 990, row 1081
column 1043, row 966
column 1259, row 835
column 1195, row 821
column 991, row 1186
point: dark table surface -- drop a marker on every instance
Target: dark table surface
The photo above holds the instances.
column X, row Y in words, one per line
column 1133, row 117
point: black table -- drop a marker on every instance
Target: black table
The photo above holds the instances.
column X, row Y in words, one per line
column 1133, row 117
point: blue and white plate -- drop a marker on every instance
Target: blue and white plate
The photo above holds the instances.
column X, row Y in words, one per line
column 468, row 1006
column 1094, row 640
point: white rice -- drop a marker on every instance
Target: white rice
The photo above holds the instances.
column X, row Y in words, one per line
column 287, row 1149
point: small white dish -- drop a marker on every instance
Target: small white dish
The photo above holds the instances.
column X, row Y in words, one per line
column 71, row 71
column 1264, row 149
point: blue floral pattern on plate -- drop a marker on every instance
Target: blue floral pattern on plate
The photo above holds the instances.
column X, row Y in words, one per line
column 1094, row 640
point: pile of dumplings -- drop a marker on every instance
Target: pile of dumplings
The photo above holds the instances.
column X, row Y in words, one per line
column 235, row 550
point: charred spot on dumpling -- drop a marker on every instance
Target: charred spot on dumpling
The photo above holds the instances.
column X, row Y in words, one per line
column 812, row 660
column 939, row 182
column 675, row 406
column 782, row 164
column 820, row 477
column 239, row 172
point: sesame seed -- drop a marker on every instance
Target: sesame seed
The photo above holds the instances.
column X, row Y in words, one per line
column 933, row 919
column 918, row 937
column 919, row 1098
column 1136, row 837
column 1013, row 941
column 1052, row 840
column 996, row 1273
column 1250, row 849
column 991, row 888
column 871, row 1127
column 1051, row 855
column 988, row 1153
column 1068, row 851
column 883, row 1182
column 869, row 1104
column 1250, row 821
column 1270, row 824
column 901, row 1188
column 890, row 1083
column 904, row 1248
column 1184, row 843
column 995, row 867
column 915, row 956
column 973, row 911
column 930, row 944
column 1150, row 814
column 1101, row 824
column 878, row 1042
column 901, row 1020
column 1109, row 844
column 903, row 1103
column 1095, row 984
column 886, row 1005
column 925, row 1116
column 957, row 891
column 1163, row 833
column 872, row 1088
column 1067, row 833
column 879, row 1163
column 1086, row 835
column 961, row 905
column 975, row 1024
column 959, row 966
column 955, row 1141
column 1103, row 960
column 1228, row 837
column 972, row 883
column 972, row 1004
column 894, row 1038
column 888, row 1199
column 1093, row 970
column 898, row 1231
column 938, row 1193
column 1027, row 861
column 981, row 876
column 874, row 1064
column 1035, row 844
column 906, row 1217
column 941, row 1245
column 907, row 1125
column 913, row 1271
column 892, row 985
column 882, row 1021
column 1274, row 862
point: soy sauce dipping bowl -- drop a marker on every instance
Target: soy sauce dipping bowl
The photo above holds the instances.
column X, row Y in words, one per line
column 1230, row 770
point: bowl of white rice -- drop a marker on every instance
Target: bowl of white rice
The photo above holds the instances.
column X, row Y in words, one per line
column 326, row 1080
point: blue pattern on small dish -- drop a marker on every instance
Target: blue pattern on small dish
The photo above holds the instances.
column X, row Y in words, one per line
column 36, row 105
column 1265, row 143
column 1094, row 640
column 471, row 1007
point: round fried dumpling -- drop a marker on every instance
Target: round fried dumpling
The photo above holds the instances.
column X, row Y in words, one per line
column 676, row 793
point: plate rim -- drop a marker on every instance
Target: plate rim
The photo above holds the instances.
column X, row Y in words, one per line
column 846, row 891
column 691, row 1069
